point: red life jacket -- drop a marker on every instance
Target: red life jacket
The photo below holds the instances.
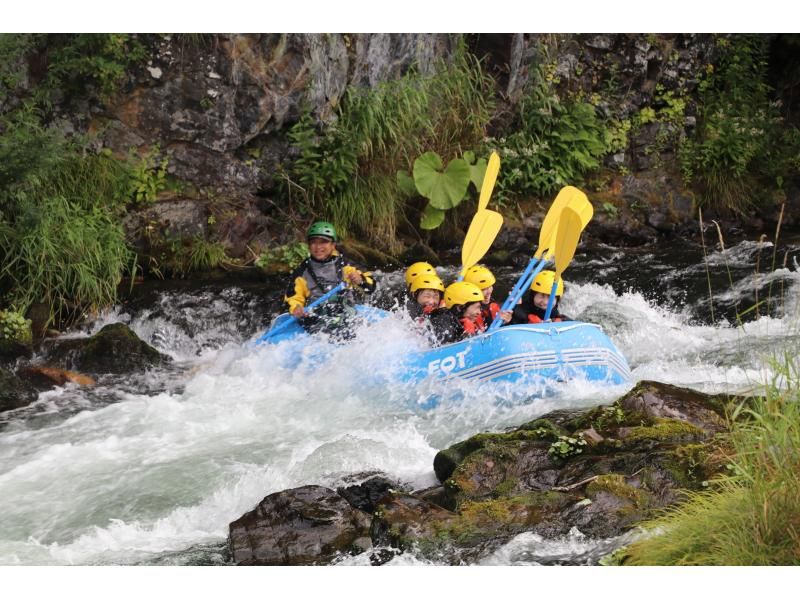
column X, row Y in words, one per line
column 488, row 314
column 534, row 319
column 471, row 327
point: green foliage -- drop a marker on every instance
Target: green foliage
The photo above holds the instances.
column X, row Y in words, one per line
column 99, row 59
column 14, row 326
column 553, row 145
column 610, row 416
column 444, row 188
column 609, row 209
column 751, row 517
column 566, row 446
column 64, row 255
column 61, row 242
column 177, row 257
column 742, row 143
column 27, row 149
column 148, row 176
column 347, row 170
column 284, row 257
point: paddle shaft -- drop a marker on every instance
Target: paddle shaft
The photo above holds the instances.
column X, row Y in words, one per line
column 523, row 283
column 283, row 325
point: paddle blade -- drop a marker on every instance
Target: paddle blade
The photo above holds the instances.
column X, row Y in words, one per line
column 569, row 232
column 580, row 204
column 481, row 234
column 489, row 178
column 547, row 235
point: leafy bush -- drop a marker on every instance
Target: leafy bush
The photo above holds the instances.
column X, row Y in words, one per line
column 64, row 255
column 553, row 145
column 742, row 143
column 14, row 326
column 147, row 176
column 566, row 446
column 286, row 257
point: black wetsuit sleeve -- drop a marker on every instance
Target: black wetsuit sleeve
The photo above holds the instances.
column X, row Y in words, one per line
column 446, row 327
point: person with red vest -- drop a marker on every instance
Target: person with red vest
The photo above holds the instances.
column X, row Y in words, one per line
column 427, row 291
column 533, row 306
column 458, row 319
column 483, row 278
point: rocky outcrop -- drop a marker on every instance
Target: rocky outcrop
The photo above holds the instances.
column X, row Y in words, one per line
column 304, row 526
column 114, row 350
column 14, row 392
column 600, row 471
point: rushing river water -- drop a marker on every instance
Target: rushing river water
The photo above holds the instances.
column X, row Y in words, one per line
column 151, row 467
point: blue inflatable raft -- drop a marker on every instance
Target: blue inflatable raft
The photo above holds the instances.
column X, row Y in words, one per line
column 553, row 352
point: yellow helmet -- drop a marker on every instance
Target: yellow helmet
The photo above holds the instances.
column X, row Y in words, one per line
column 461, row 293
column 543, row 283
column 417, row 269
column 427, row 281
column 480, row 276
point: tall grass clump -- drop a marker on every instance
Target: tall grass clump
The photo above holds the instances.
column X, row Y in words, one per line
column 61, row 242
column 743, row 149
column 346, row 170
column 752, row 516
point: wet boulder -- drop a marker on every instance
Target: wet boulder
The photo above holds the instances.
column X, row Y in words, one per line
column 310, row 525
column 14, row 392
column 114, row 350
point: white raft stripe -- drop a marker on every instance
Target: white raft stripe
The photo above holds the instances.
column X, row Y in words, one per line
column 601, row 356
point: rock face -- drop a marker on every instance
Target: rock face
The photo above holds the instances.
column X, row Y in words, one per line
column 304, row 526
column 114, row 350
column 600, row 471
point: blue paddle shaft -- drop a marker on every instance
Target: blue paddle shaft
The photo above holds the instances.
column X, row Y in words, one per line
column 551, row 300
column 276, row 329
column 523, row 283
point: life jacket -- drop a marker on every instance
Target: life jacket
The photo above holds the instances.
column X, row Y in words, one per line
column 471, row 328
column 534, row 319
column 487, row 315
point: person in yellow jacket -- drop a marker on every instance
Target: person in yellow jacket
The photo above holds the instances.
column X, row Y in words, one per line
column 316, row 275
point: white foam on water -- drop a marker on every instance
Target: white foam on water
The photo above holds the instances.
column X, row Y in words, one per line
column 165, row 470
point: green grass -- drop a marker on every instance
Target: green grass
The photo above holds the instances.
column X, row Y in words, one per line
column 751, row 517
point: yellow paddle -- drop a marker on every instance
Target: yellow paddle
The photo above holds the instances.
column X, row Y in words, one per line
column 568, row 196
column 481, row 234
column 489, row 178
column 569, row 232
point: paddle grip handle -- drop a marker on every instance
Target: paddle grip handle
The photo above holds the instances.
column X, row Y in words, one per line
column 276, row 329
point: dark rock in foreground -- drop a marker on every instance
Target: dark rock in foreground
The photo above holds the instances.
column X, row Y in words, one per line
column 601, row 471
column 114, row 350
column 304, row 526
column 14, row 392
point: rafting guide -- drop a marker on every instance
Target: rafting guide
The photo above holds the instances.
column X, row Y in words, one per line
column 319, row 274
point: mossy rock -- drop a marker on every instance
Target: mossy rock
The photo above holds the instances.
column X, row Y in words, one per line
column 664, row 431
column 446, row 461
column 114, row 350
column 487, row 521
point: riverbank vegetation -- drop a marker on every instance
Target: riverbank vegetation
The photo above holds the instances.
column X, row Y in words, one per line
column 752, row 516
column 63, row 197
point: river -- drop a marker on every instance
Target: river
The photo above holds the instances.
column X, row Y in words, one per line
column 150, row 468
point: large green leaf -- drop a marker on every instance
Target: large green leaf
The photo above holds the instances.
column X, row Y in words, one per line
column 406, row 184
column 476, row 173
column 446, row 189
column 431, row 218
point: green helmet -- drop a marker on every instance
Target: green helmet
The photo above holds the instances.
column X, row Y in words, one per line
column 322, row 229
